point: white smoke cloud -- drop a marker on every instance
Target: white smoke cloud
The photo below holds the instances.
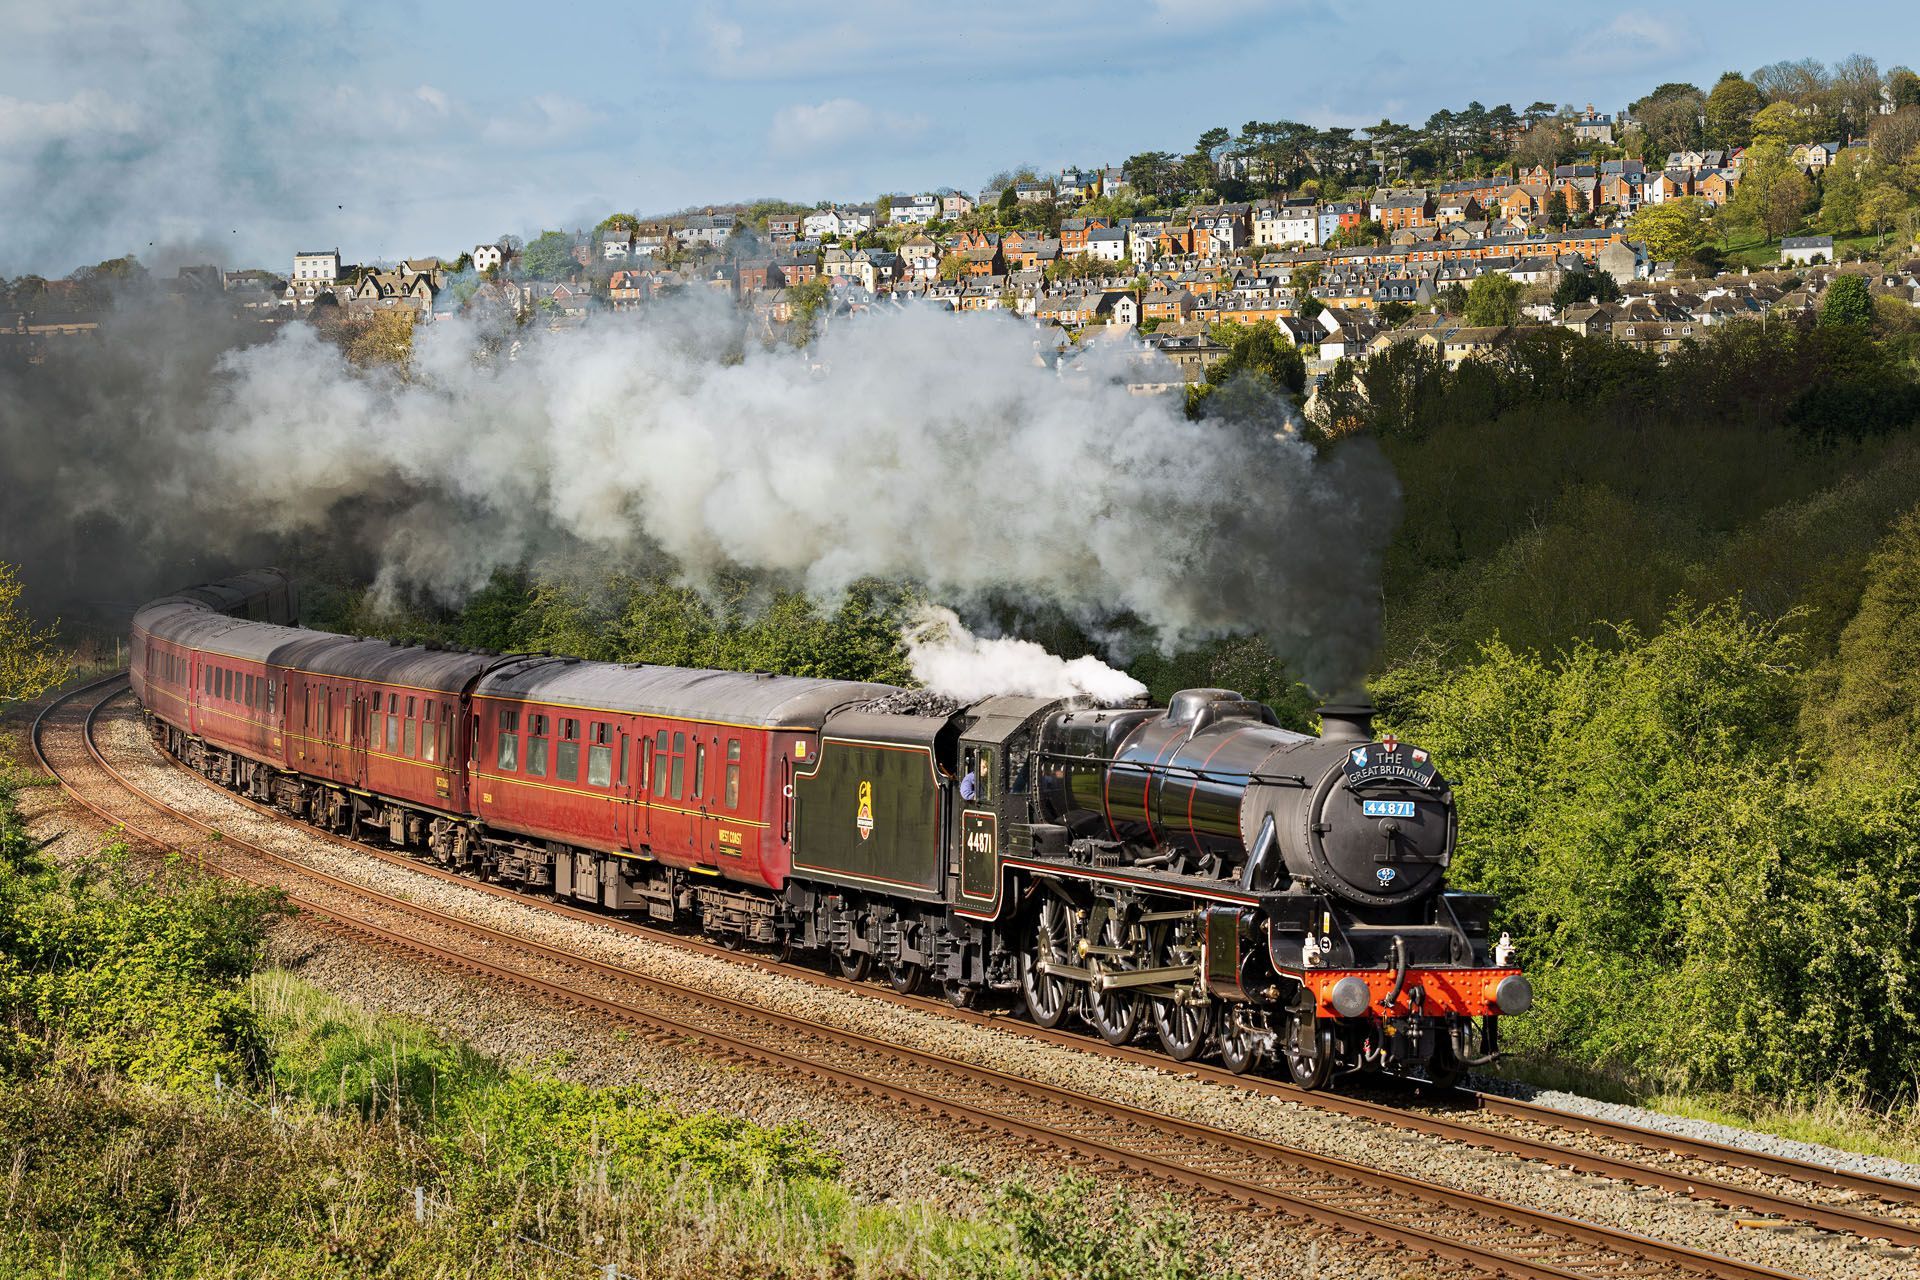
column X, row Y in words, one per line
column 913, row 445
column 948, row 658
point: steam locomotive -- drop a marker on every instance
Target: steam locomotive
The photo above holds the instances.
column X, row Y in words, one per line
column 1196, row 873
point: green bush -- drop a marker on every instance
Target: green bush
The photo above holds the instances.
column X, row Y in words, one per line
column 132, row 973
column 1699, row 906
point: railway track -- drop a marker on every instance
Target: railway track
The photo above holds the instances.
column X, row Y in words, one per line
column 1845, row 1201
column 1394, row 1210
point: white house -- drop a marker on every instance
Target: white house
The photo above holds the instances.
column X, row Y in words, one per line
column 1806, row 249
column 1125, row 313
column 705, row 228
column 1295, row 224
column 1108, row 244
column 488, row 256
column 953, row 205
column 316, row 267
column 833, row 222
column 914, row 210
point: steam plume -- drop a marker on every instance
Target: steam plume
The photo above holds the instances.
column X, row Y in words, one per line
column 908, row 445
column 947, row 658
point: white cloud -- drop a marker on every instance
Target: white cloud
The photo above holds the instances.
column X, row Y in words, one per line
column 89, row 111
column 543, row 120
column 803, row 127
column 1638, row 34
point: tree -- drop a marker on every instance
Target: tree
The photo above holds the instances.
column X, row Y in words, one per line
column 808, row 299
column 1730, row 110
column 1871, row 698
column 1672, row 230
column 1892, row 138
column 1787, row 203
column 1670, row 117
column 1881, row 208
column 619, row 222
column 1903, row 87
column 1009, row 204
column 1785, row 123
column 1556, row 214
column 1841, row 191
column 1151, row 172
column 1577, row 287
column 953, row 266
column 1493, row 300
column 1772, row 194
column 1452, row 298
column 1854, row 93
column 549, row 257
column 1543, row 144
column 1848, row 304
column 29, row 662
column 383, row 339
column 1258, row 350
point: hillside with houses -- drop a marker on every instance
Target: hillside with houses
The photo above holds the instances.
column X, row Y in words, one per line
column 1649, row 224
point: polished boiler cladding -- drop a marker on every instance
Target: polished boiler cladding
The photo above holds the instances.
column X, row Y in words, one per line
column 1196, row 874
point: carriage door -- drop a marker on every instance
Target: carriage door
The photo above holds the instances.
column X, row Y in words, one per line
column 357, row 722
column 702, row 769
column 624, row 792
column 644, row 764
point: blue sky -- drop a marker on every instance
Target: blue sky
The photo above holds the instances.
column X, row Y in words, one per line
column 184, row 129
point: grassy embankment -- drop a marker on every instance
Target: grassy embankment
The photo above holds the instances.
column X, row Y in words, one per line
column 172, row 1110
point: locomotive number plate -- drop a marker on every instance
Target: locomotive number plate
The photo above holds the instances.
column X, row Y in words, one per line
column 1387, row 808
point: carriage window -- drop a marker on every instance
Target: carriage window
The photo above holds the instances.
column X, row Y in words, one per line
column 270, row 701
column 623, row 757
column 600, row 757
column 537, row 746
column 376, row 722
column 446, row 732
column 509, row 757
column 253, row 691
column 429, row 736
column 326, row 712
column 679, row 769
column 566, row 753
column 656, row 756
column 699, row 769
column 409, row 730
column 732, row 796
column 226, row 680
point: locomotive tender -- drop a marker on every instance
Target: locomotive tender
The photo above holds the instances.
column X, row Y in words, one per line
column 1195, row 870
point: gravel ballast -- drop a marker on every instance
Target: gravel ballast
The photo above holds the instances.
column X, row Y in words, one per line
column 1697, row 1224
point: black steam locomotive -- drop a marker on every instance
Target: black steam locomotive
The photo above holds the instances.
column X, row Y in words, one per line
column 1196, row 871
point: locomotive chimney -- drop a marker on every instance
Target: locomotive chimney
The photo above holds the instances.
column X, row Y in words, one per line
column 1347, row 722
